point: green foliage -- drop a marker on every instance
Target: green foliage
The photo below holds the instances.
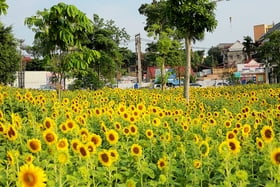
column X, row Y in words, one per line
column 61, row 32
column 269, row 51
column 9, row 56
column 3, row 7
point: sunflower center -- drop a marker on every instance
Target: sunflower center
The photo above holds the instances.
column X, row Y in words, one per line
column 83, row 151
column 111, row 137
column 277, row 158
column 49, row 137
column 29, row 179
column 136, row 150
column 105, row 157
column 268, row 133
column 232, row 146
column 33, row 145
column 11, row 132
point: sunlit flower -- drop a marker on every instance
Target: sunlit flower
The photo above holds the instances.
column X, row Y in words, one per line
column 49, row 123
column 234, row 145
column 133, row 129
column 63, row 157
column 162, row 163
column 204, row 148
column 62, row 144
column 117, row 126
column 31, row 176
column 29, row 158
column 259, row 143
column 104, row 158
column 197, row 164
column 50, row 137
column 275, row 156
column 136, row 150
column 149, row 133
column 114, row 154
column 156, row 122
column 34, row 145
column 126, row 131
column 12, row 133
column 112, row 136
column 74, row 145
column 246, row 129
column 83, row 150
column 267, row 134
column 230, row 135
column 96, row 139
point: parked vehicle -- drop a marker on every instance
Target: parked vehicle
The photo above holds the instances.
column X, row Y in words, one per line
column 220, row 84
column 195, row 85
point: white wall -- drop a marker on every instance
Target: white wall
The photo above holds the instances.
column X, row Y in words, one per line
column 34, row 79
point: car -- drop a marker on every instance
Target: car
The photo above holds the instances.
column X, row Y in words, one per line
column 220, row 84
column 47, row 87
column 195, row 85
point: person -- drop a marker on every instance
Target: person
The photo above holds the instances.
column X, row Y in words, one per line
column 136, row 85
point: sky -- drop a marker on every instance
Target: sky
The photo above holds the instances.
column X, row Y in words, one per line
column 236, row 18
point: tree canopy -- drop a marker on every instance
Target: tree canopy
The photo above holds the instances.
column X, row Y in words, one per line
column 9, row 56
column 62, row 32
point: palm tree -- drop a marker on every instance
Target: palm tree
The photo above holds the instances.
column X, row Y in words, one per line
column 249, row 47
column 3, row 7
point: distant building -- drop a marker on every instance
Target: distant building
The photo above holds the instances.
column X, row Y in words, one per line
column 260, row 30
column 233, row 54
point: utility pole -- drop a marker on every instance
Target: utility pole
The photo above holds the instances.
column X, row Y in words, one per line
column 138, row 51
column 21, row 73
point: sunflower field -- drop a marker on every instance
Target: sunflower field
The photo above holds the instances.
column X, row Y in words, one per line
column 226, row 136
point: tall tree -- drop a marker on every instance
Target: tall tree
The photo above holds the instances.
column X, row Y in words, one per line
column 62, row 31
column 3, row 7
column 249, row 47
column 9, row 56
column 269, row 53
column 158, row 26
column 191, row 18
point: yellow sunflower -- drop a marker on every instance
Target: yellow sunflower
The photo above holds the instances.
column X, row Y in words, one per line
column 63, row 157
column 96, row 139
column 112, row 136
column 91, row 147
column 49, row 137
column 34, row 145
column 49, row 123
column 114, row 154
column 62, row 144
column 230, row 135
column 156, row 122
column 267, row 134
column 136, row 150
column 133, row 129
column 197, row 164
column 32, row 176
column 246, row 129
column 162, row 163
column 83, row 151
column 117, row 126
column 12, row 133
column 275, row 156
column 29, row 158
column 104, row 158
column 74, row 145
column 149, row 133
column 234, row 146
column 259, row 143
column 204, row 148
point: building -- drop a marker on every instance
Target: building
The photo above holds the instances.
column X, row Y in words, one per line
column 260, row 30
column 234, row 55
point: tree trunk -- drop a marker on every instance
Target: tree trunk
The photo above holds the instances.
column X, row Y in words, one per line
column 187, row 68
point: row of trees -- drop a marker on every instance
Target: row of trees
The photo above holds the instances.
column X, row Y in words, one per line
column 69, row 44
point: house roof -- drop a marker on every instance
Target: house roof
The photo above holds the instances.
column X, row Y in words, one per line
column 274, row 28
column 237, row 46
